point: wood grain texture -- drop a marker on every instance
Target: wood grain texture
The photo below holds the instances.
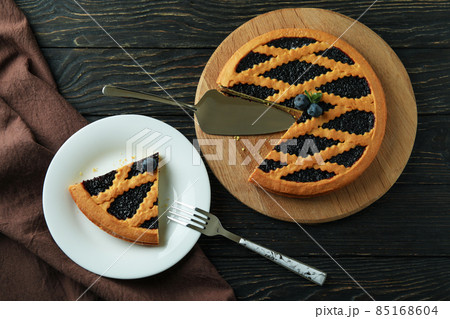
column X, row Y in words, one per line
column 383, row 229
column 202, row 23
column 375, row 180
column 81, row 73
column 389, row 247
column 383, row 278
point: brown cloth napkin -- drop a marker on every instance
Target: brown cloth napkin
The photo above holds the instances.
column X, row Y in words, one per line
column 34, row 122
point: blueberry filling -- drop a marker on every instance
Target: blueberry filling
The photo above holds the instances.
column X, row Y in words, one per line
column 149, row 164
column 308, row 175
column 252, row 59
column 270, row 165
column 336, row 54
column 348, row 158
column 357, row 122
column 257, row 91
column 309, row 144
column 296, row 72
column 99, row 184
column 290, row 42
column 350, row 86
column 126, row 205
column 152, row 223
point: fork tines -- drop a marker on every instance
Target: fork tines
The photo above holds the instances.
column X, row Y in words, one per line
column 187, row 216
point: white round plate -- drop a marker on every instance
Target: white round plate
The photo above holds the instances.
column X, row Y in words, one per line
column 108, row 144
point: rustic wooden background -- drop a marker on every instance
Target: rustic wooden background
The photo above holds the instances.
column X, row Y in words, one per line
column 397, row 249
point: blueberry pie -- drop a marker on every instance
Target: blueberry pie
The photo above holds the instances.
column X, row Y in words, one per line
column 123, row 202
column 333, row 142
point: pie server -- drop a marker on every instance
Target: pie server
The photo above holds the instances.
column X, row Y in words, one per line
column 222, row 115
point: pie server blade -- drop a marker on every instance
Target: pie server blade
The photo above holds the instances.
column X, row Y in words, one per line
column 219, row 114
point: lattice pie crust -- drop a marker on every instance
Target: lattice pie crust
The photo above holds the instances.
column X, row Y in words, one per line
column 135, row 218
column 350, row 131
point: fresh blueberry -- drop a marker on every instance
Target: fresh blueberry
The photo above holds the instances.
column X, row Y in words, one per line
column 315, row 110
column 301, row 102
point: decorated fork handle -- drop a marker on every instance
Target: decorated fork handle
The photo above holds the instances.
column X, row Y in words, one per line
column 293, row 265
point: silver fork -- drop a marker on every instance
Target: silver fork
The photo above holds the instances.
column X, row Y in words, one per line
column 208, row 224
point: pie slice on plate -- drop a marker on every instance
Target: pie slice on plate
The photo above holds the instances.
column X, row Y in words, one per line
column 321, row 152
column 123, row 202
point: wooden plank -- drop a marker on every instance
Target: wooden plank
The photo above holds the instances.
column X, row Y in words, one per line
column 407, row 221
column 430, row 160
column 162, row 24
column 81, row 73
column 428, row 71
column 80, row 79
column 410, row 220
column 385, row 279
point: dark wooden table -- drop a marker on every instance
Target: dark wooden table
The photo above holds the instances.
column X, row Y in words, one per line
column 397, row 249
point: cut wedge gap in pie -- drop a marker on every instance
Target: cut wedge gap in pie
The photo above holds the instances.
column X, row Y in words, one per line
column 123, row 202
column 343, row 141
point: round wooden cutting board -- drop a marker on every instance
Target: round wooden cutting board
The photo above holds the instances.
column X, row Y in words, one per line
column 232, row 160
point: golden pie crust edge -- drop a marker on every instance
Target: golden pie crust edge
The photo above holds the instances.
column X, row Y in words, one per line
column 110, row 224
column 309, row 189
